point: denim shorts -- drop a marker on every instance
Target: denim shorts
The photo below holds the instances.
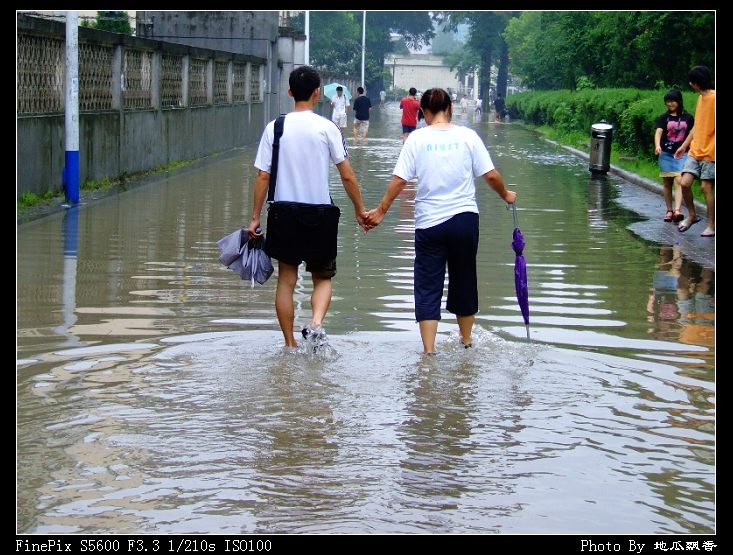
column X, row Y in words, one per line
column 701, row 169
column 669, row 166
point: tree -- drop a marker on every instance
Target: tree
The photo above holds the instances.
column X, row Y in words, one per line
column 445, row 42
column 485, row 40
column 464, row 61
column 116, row 22
column 609, row 49
column 416, row 29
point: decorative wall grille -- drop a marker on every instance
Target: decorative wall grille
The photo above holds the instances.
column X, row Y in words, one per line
column 138, row 73
column 255, row 82
column 95, row 76
column 198, row 93
column 41, row 62
column 239, row 86
column 221, row 81
column 171, row 86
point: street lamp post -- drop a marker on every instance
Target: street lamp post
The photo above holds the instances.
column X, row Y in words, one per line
column 363, row 46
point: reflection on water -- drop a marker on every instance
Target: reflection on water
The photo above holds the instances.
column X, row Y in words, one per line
column 154, row 394
column 682, row 303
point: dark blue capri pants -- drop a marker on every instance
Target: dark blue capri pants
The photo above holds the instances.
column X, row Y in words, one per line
column 455, row 243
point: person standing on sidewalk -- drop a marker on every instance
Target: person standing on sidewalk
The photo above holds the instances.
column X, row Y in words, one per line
column 673, row 127
column 700, row 163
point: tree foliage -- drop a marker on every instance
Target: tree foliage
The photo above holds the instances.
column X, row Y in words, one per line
column 552, row 50
column 116, row 22
column 485, row 42
column 335, row 41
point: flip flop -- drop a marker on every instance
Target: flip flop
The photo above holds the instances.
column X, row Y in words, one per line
column 708, row 233
column 669, row 215
column 687, row 224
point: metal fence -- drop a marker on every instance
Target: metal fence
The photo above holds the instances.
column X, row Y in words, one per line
column 134, row 72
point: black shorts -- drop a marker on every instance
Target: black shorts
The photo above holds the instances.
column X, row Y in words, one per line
column 298, row 232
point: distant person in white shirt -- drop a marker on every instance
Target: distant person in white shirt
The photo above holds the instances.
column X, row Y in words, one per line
column 382, row 97
column 339, row 105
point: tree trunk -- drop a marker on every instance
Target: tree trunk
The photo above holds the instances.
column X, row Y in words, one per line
column 485, row 78
column 502, row 75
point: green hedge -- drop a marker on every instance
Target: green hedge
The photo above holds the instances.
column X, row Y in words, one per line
column 632, row 112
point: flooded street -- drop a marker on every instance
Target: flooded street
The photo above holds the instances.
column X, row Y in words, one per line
column 154, row 394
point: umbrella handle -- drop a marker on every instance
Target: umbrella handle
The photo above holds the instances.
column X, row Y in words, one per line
column 514, row 213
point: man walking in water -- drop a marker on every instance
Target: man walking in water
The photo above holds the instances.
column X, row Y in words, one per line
column 410, row 107
column 339, row 105
column 362, row 106
column 309, row 144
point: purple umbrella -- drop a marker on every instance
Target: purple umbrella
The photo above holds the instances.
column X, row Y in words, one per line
column 520, row 272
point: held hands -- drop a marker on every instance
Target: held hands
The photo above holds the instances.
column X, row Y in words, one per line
column 373, row 218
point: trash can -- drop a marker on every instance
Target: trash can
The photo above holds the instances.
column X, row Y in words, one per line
column 600, row 147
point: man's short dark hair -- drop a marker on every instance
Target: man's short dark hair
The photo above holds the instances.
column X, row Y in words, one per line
column 303, row 81
column 339, row 88
column 700, row 76
column 413, row 91
column 360, row 90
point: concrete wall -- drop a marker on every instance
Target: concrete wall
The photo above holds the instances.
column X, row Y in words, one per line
column 241, row 32
column 117, row 141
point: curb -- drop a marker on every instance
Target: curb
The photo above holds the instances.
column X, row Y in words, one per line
column 648, row 184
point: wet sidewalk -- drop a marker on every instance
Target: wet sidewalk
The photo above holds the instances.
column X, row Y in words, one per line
column 644, row 197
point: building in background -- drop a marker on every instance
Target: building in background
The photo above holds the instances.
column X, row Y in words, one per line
column 422, row 71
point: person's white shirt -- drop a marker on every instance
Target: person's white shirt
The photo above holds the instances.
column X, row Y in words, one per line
column 339, row 104
column 445, row 162
column 303, row 162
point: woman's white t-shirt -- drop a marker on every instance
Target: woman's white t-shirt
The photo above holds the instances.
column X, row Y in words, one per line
column 309, row 145
column 445, row 162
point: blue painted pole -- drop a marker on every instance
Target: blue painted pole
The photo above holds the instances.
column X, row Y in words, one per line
column 71, row 109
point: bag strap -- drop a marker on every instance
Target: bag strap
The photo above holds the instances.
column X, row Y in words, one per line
column 279, row 122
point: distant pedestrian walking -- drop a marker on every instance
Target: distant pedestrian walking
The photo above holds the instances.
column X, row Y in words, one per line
column 339, row 105
column 499, row 108
column 382, row 97
column 410, row 107
column 362, row 106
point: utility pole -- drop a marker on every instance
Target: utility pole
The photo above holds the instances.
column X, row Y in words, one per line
column 71, row 109
column 307, row 37
column 363, row 46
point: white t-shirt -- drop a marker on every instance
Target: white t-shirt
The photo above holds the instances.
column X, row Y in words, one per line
column 308, row 146
column 445, row 162
column 339, row 106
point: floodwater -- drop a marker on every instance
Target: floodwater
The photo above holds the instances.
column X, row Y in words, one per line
column 154, row 394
